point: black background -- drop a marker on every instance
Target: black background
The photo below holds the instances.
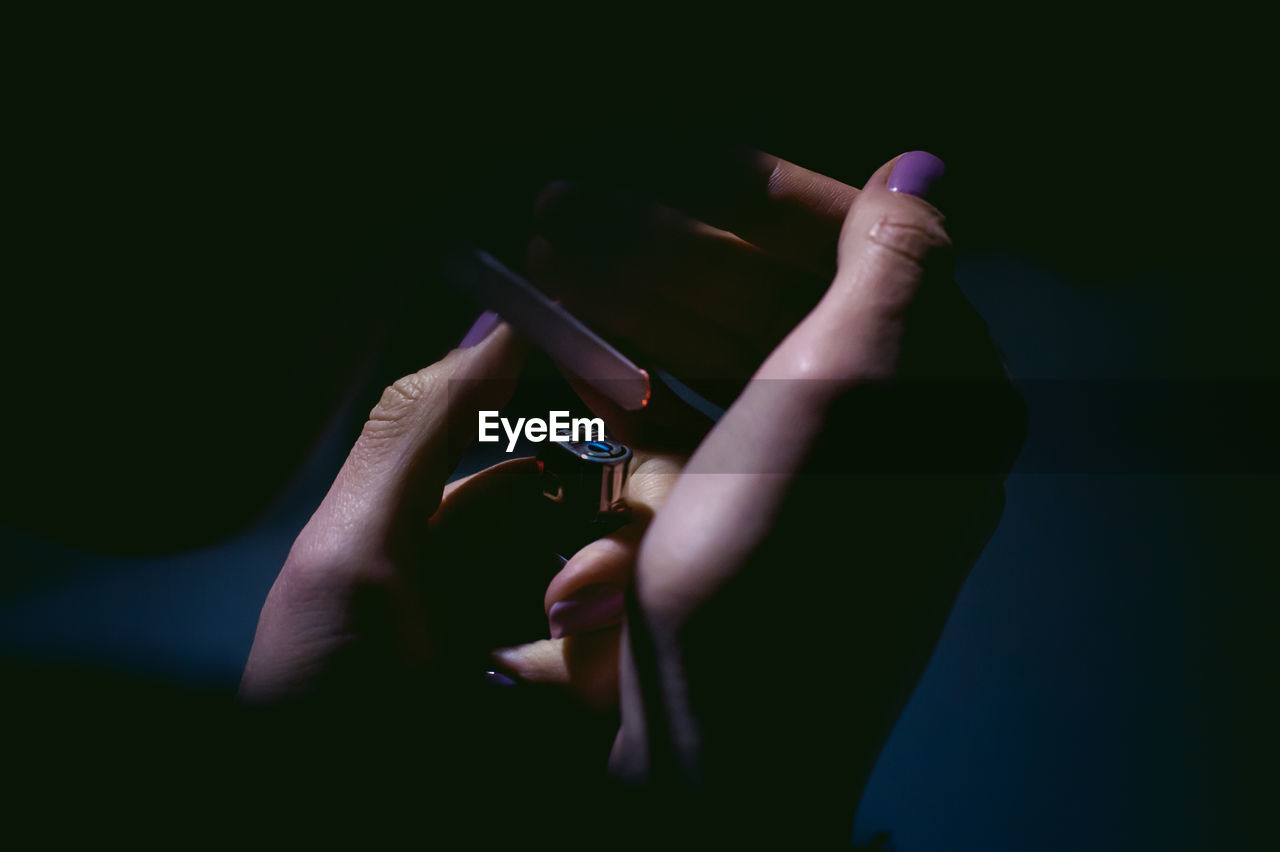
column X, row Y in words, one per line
column 199, row 209
column 206, row 220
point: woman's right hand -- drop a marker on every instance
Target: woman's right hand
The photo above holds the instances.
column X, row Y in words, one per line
column 794, row 582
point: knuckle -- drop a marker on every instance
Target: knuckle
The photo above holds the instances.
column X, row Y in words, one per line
column 402, row 399
column 917, row 239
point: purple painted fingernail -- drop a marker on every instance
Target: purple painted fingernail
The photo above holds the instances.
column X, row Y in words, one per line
column 485, row 325
column 498, row 679
column 592, row 608
column 916, row 173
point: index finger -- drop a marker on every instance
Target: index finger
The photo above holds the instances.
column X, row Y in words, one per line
column 394, row 476
column 787, row 210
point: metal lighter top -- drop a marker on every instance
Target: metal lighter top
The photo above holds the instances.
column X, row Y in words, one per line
column 585, row 479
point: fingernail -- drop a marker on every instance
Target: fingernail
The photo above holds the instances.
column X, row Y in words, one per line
column 592, row 608
column 498, row 679
column 487, row 322
column 917, row 173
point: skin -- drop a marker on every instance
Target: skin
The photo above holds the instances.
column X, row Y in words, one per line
column 815, row 537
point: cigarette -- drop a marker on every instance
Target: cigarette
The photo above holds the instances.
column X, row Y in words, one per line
column 483, row 279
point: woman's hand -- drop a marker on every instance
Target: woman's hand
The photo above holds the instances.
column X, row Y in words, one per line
column 705, row 274
column 395, row 571
column 363, row 600
column 406, row 595
column 796, row 574
column 795, row 580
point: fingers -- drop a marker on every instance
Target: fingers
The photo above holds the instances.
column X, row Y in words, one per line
column 788, row 211
column 583, row 604
column 610, row 561
column 724, row 290
column 894, row 321
column 394, row 476
column 777, row 550
column 891, row 244
column 628, row 267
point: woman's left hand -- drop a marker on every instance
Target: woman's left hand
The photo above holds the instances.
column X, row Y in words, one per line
column 368, row 596
column 401, row 585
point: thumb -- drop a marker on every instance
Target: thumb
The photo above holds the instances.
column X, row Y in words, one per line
column 891, row 245
column 394, row 476
column 893, row 240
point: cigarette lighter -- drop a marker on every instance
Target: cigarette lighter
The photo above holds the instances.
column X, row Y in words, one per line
column 583, row 489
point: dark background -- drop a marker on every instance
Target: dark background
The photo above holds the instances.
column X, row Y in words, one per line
column 208, row 257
